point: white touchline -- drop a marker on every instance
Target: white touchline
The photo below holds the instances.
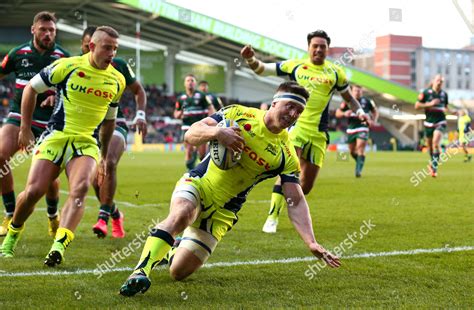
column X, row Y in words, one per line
column 242, row 263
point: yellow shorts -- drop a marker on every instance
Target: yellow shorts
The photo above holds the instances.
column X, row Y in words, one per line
column 313, row 145
column 213, row 219
column 463, row 138
column 60, row 148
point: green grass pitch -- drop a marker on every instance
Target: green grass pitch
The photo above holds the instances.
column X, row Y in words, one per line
column 436, row 214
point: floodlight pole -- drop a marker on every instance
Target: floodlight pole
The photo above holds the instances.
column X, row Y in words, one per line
column 84, row 21
column 137, row 52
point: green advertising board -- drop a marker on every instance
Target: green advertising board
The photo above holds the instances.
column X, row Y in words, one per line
column 152, row 65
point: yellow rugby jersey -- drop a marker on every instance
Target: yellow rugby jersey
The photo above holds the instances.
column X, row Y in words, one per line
column 464, row 123
column 320, row 81
column 83, row 96
column 265, row 155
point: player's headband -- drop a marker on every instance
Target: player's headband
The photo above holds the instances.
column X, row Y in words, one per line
column 291, row 97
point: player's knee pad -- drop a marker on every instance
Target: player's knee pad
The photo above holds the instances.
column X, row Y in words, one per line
column 198, row 242
column 187, row 192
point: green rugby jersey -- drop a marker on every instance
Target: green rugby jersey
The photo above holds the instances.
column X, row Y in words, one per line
column 215, row 100
column 127, row 72
column 194, row 108
column 320, row 81
column 355, row 124
column 435, row 116
column 265, row 155
column 25, row 61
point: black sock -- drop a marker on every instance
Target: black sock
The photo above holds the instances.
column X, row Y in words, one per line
column 362, row 161
column 52, row 209
column 104, row 212
column 9, row 203
column 435, row 161
column 15, row 226
column 115, row 212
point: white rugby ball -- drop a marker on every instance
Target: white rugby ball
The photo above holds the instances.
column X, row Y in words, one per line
column 222, row 157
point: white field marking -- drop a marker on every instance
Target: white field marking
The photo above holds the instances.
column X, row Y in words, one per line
column 242, row 263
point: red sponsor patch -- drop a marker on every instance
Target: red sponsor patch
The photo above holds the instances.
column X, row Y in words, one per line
column 81, row 74
column 247, row 127
column 305, row 67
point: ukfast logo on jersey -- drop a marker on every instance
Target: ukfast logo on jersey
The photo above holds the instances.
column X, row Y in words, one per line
column 256, row 158
column 246, row 114
column 314, row 79
column 92, row 91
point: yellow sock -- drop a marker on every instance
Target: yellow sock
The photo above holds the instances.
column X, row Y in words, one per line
column 15, row 230
column 63, row 236
column 277, row 203
column 156, row 246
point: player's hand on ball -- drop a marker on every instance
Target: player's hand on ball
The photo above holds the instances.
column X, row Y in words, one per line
column 230, row 138
column 247, row 51
column 321, row 253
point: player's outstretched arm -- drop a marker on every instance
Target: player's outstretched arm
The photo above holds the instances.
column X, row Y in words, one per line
column 140, row 98
column 205, row 130
column 375, row 113
column 298, row 212
column 429, row 104
column 258, row 66
column 355, row 105
column 106, row 132
column 178, row 112
column 339, row 112
column 210, row 107
column 105, row 135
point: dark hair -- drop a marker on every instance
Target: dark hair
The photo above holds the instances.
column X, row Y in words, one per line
column 89, row 31
column 319, row 34
column 203, row 82
column 191, row 75
column 294, row 88
column 44, row 16
column 108, row 30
